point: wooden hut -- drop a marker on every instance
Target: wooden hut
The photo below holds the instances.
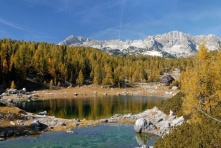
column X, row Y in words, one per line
column 167, row 79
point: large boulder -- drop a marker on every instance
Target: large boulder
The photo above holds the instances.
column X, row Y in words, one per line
column 144, row 126
column 139, row 124
column 38, row 126
column 35, row 124
column 154, row 121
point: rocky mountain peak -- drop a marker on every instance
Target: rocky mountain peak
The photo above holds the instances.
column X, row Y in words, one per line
column 74, row 40
column 171, row 44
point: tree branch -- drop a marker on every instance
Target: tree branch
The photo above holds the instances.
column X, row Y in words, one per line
column 208, row 115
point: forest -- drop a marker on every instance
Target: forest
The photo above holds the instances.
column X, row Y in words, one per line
column 200, row 82
column 53, row 64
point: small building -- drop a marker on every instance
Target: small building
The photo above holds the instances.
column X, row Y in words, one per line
column 167, row 79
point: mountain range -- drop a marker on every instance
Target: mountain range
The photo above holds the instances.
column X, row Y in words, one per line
column 172, row 44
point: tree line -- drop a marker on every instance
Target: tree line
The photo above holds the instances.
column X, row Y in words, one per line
column 200, row 103
column 50, row 63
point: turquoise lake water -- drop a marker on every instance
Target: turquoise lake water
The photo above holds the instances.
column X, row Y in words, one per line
column 102, row 136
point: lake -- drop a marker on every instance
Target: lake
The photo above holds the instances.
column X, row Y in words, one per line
column 108, row 136
column 91, row 108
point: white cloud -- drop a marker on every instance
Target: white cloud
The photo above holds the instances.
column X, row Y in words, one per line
column 2, row 21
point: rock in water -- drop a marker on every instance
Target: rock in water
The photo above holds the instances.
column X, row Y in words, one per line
column 139, row 124
column 142, row 125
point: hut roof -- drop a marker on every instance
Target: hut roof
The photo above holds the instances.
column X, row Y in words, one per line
column 167, row 79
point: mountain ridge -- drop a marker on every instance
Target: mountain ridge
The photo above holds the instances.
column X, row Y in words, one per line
column 171, row 44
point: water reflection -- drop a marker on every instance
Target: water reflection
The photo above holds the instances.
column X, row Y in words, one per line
column 92, row 108
column 145, row 139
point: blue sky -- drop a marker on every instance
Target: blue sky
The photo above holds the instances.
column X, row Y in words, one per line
column 53, row 20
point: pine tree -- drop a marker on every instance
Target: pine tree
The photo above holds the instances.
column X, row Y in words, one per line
column 108, row 80
column 13, row 86
column 80, row 78
column 51, row 84
column 5, row 67
column 97, row 75
column 200, row 85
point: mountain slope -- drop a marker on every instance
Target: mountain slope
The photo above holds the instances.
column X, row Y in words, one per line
column 171, row 44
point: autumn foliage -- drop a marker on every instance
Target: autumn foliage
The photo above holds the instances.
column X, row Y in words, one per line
column 43, row 62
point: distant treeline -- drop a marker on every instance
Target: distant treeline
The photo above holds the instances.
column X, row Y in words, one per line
column 44, row 63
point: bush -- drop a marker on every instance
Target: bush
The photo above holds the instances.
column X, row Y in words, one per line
column 174, row 104
column 206, row 133
column 174, row 83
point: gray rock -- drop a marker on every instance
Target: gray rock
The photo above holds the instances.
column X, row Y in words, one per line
column 43, row 113
column 10, row 132
column 174, row 88
column 76, row 124
column 164, row 127
column 178, row 121
column 171, row 113
column 9, row 101
column 63, row 124
column 17, row 133
column 112, row 120
column 51, row 122
column 134, row 117
column 28, row 117
column 3, row 133
column 160, row 119
column 77, row 120
column 4, row 94
column 127, row 115
column 35, row 124
column 142, row 125
column 160, row 116
column 12, row 91
column 150, row 128
column 117, row 115
column 171, row 118
column 1, row 116
column 104, row 120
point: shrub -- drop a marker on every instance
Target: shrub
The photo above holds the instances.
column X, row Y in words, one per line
column 206, row 133
column 174, row 83
column 174, row 104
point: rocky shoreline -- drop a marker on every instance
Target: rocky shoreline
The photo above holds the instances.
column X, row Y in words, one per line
column 22, row 123
column 15, row 122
